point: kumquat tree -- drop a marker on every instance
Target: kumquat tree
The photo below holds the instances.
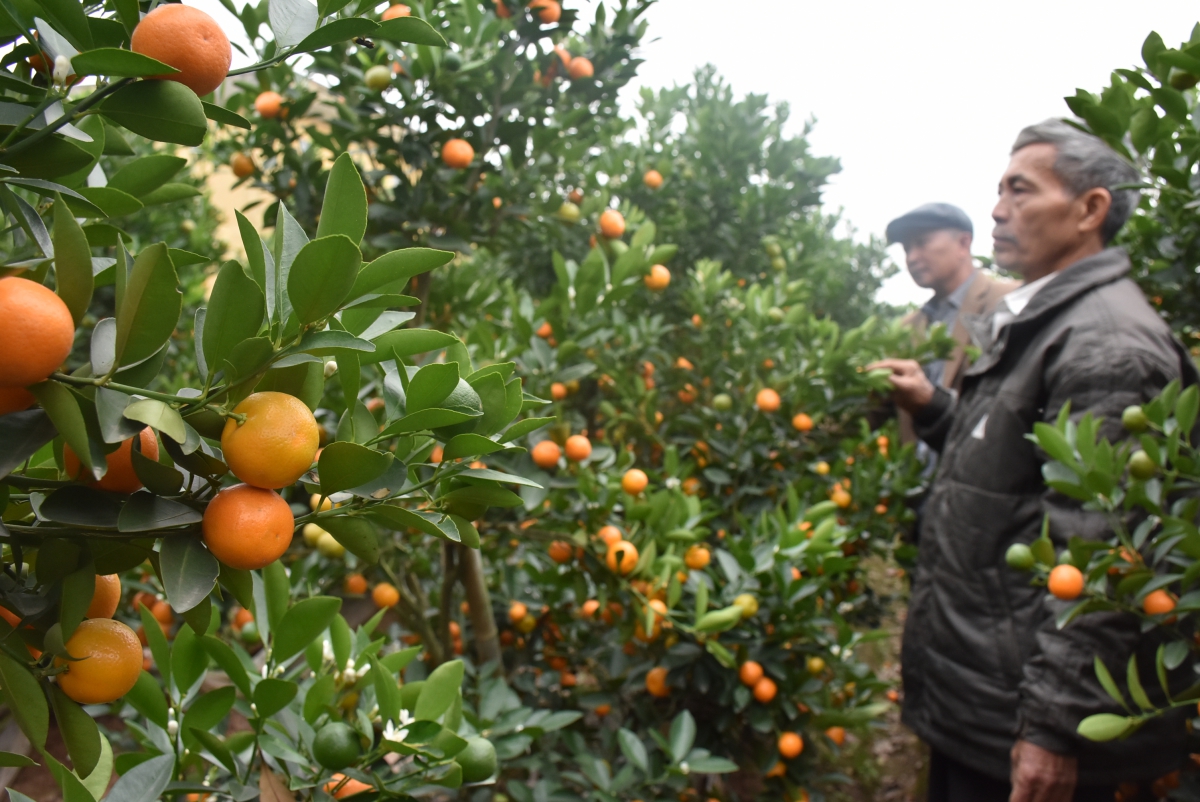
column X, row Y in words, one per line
column 518, row 446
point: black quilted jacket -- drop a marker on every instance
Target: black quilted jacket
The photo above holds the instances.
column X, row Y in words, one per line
column 983, row 661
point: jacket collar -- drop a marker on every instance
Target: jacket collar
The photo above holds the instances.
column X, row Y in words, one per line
column 1074, row 281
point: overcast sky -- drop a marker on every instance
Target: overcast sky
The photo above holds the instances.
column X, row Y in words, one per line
column 920, row 100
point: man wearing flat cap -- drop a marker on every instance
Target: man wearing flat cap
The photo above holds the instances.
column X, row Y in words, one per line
column 937, row 248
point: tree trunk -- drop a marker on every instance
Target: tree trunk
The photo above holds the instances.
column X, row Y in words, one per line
column 487, row 641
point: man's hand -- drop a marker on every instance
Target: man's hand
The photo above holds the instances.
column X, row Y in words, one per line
column 911, row 389
column 1039, row 775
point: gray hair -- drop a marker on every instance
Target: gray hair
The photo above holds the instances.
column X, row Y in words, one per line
column 1084, row 162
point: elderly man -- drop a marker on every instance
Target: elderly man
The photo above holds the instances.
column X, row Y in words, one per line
column 937, row 250
column 991, row 683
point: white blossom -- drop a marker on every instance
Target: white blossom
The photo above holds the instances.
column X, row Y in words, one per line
column 395, row 734
column 62, row 70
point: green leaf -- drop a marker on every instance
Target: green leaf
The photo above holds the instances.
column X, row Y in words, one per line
column 216, row 747
column 159, row 416
column 1186, row 406
column 341, row 30
column 358, row 535
column 13, row 760
column 321, row 276
column 113, row 202
column 387, row 692
column 170, row 193
column 302, row 623
column 272, row 695
column 470, row 445
column 97, row 780
column 208, row 710
column 425, row 419
column 410, row 29
column 224, row 657
column 439, row 691
column 1106, row 727
column 223, row 116
column 160, row 650
column 69, row 19
column 148, row 310
column 319, row 696
column 288, row 240
column 164, row 111
column 143, row 175
column 189, row 571
column 78, row 587
column 430, row 385
column 1106, row 682
column 79, row 731
column 235, row 312
column 468, row 535
column 345, row 465
column 344, row 210
column 25, row 700
column 392, row 271
column 62, row 407
column 498, row 476
column 146, row 781
column 524, row 427
column 487, row 496
column 256, row 252
column 114, row 61
column 72, row 262
column 1135, row 685
column 683, row 735
column 188, row 660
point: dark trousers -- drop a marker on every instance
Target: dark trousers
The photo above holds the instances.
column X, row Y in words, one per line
column 951, row 781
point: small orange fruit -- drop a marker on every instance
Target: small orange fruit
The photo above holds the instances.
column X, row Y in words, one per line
column 579, row 68
column 610, row 535
column 658, row 278
column 764, row 690
column 517, row 611
column 697, row 557
column 458, row 153
column 355, row 585
column 683, row 363
column 1066, row 582
column 603, row 710
column 802, row 422
column 634, row 481
column 120, row 476
column 395, row 12
column 351, row 788
column 545, row 330
column 269, row 104
column 840, row 497
column 836, row 734
column 612, row 224
column 241, row 618
column 652, row 179
column 778, row 770
column 750, row 673
column 589, row 608
column 790, row 745
column 15, row 399
column 162, row 613
column 558, row 391
column 275, row 445
column 385, row 595
column 187, row 39
column 561, row 552
column 106, row 597
column 691, row 486
column 628, row 554
column 545, row 454
column 548, row 11
column 1158, row 602
column 656, row 682
column 36, row 329
column 242, row 165
column 578, row 448
column 767, row 400
column 248, row 527
column 108, row 665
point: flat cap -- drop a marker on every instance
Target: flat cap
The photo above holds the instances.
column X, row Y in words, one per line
column 930, row 217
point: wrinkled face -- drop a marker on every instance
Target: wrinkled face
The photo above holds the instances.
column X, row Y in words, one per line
column 935, row 258
column 1038, row 220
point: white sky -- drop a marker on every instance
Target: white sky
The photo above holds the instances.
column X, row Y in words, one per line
column 920, row 100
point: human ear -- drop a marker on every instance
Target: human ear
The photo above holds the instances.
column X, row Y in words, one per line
column 1093, row 207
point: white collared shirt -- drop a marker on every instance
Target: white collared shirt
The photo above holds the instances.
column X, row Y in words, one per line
column 1014, row 303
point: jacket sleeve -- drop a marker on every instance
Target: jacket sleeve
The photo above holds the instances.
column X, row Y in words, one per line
column 932, row 423
column 1059, row 687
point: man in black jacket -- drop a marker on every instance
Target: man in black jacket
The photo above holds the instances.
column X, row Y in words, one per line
column 990, row 682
